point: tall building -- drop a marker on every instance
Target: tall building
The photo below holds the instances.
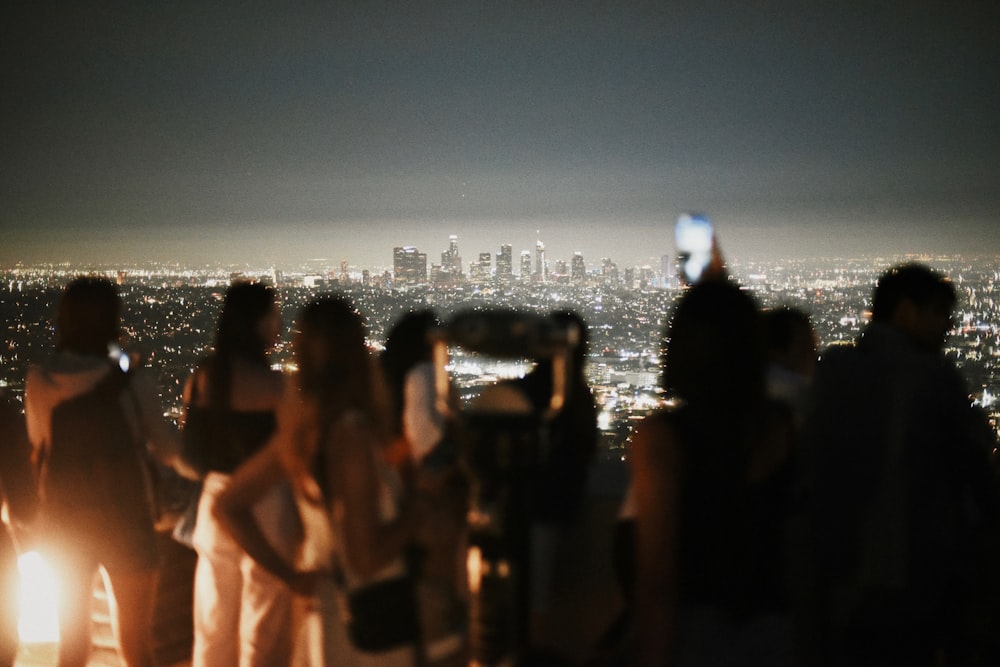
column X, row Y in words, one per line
column 525, row 265
column 540, row 268
column 667, row 271
column 561, row 272
column 609, row 271
column 578, row 270
column 505, row 264
column 451, row 261
column 409, row 266
column 479, row 271
column 647, row 277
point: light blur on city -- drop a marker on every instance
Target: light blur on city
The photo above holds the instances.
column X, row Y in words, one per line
column 170, row 311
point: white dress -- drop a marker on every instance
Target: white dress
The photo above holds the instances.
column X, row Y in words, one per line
column 325, row 642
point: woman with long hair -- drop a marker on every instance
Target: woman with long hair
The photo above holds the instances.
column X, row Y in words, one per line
column 104, row 520
column 330, row 444
column 242, row 613
column 711, row 481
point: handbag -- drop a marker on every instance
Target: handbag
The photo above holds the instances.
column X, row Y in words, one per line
column 383, row 615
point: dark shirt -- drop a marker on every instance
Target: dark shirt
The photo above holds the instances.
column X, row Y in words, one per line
column 731, row 528
column 560, row 479
column 896, row 468
column 227, row 437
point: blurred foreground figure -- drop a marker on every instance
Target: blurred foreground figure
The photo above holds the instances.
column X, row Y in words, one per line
column 242, row 612
column 712, row 479
column 330, row 443
column 897, row 487
column 426, row 454
column 792, row 355
column 89, row 415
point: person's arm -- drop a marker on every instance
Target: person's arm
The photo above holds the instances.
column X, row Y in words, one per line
column 422, row 424
column 370, row 543
column 234, row 511
column 35, row 419
column 656, row 475
column 163, row 436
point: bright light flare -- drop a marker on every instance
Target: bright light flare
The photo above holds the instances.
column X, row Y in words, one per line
column 38, row 620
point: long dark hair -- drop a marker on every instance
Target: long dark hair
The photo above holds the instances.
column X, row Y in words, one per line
column 89, row 316
column 238, row 335
column 713, row 350
column 335, row 369
column 405, row 347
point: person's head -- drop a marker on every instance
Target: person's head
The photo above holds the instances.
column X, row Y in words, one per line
column 713, row 351
column 89, row 316
column 249, row 323
column 916, row 300
column 407, row 345
column 331, row 353
column 790, row 339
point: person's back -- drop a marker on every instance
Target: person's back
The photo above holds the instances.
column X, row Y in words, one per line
column 242, row 425
column 711, row 480
column 894, row 457
column 117, row 533
column 242, row 613
column 734, row 497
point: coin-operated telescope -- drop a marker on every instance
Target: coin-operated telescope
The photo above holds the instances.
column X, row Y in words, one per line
column 501, row 437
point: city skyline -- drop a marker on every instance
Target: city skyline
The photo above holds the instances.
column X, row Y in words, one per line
column 434, row 251
column 189, row 133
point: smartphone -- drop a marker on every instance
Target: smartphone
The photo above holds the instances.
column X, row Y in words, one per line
column 115, row 353
column 694, row 235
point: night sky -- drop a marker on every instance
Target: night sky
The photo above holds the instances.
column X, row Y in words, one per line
column 202, row 131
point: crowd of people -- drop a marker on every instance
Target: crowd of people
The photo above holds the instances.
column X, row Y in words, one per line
column 784, row 508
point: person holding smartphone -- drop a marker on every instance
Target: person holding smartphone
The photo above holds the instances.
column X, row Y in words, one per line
column 711, row 481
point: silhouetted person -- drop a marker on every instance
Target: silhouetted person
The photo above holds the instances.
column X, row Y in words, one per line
column 556, row 492
column 791, row 354
column 409, row 375
column 895, row 470
column 82, row 525
column 425, row 452
column 331, row 444
column 243, row 614
column 711, row 480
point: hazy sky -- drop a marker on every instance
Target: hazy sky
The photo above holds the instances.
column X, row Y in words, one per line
column 201, row 131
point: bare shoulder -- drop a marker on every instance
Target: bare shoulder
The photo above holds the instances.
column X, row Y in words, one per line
column 656, row 438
